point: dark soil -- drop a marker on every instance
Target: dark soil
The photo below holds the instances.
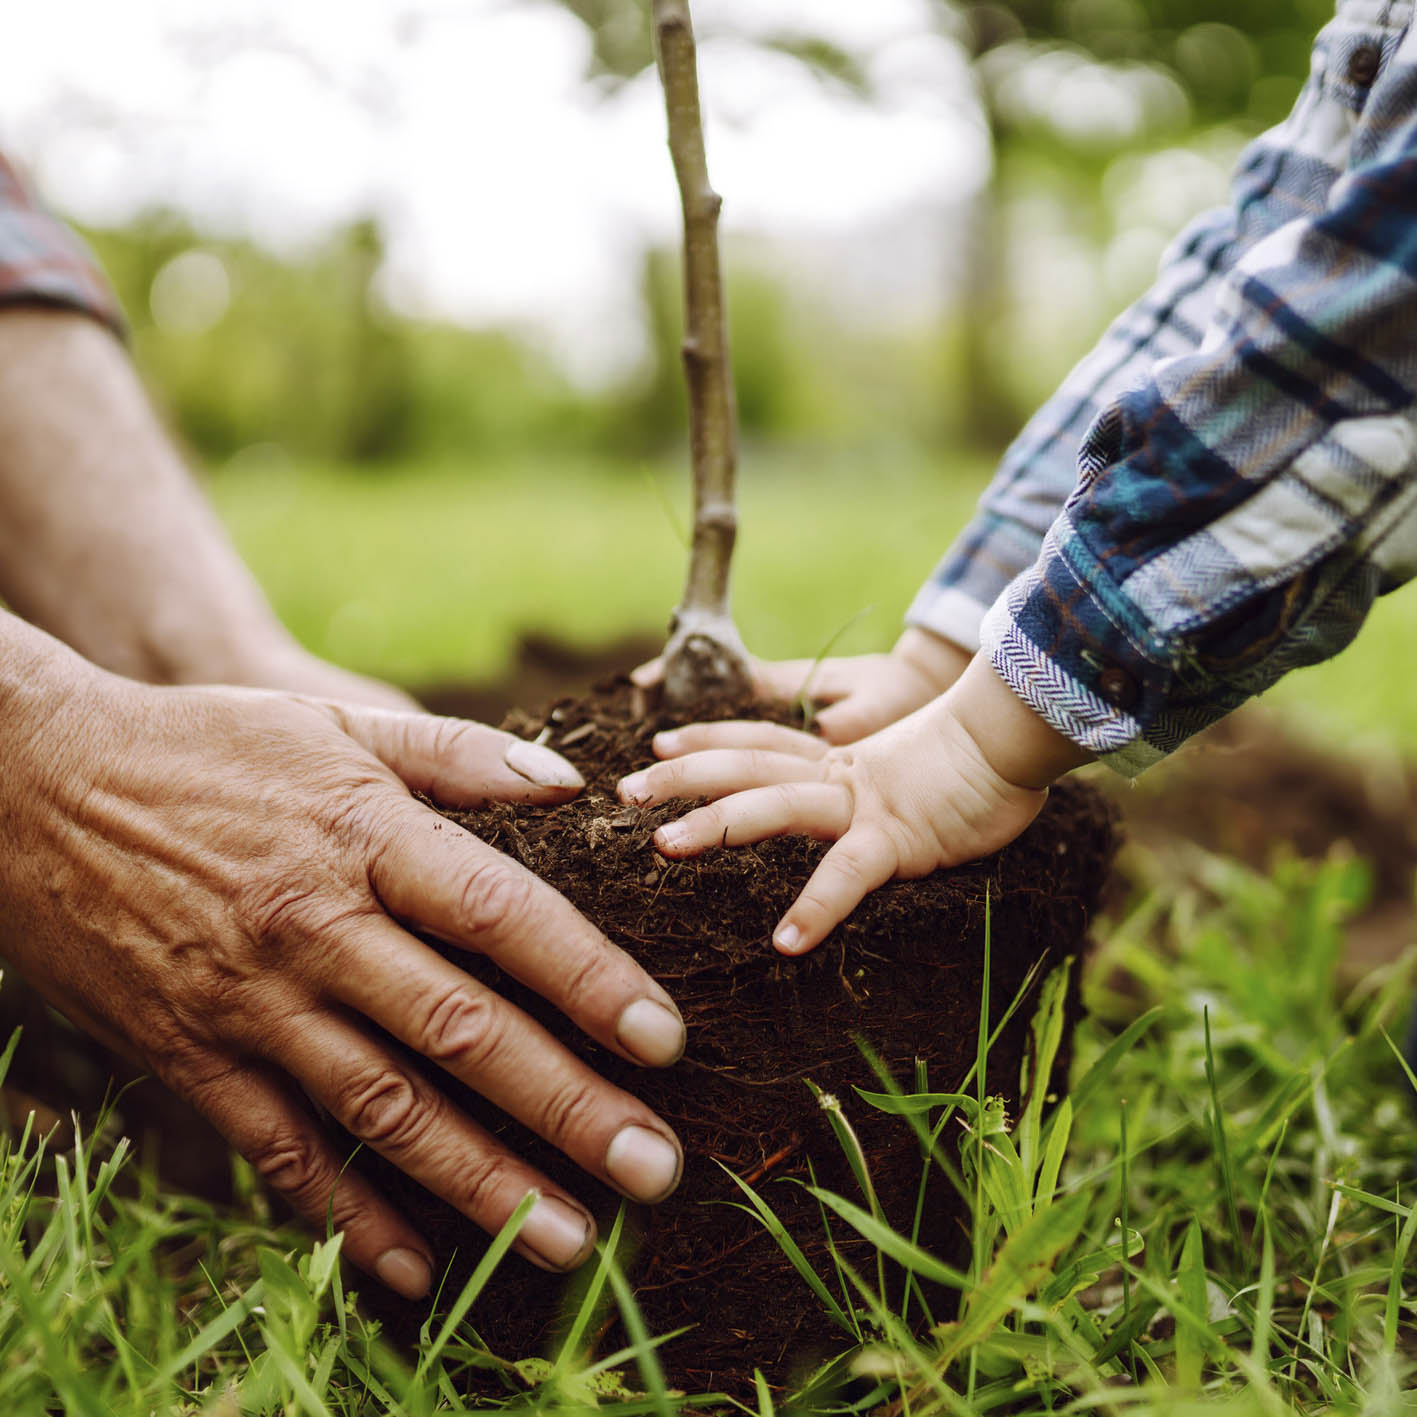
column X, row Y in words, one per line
column 1250, row 789
column 904, row 973
column 1245, row 788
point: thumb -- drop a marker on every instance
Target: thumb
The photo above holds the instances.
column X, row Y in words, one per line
column 856, row 717
column 648, row 674
column 457, row 762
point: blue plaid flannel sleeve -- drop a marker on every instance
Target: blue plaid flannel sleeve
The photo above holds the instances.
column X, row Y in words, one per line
column 1246, row 483
column 42, row 262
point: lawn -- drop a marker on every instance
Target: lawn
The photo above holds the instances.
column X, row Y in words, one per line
column 427, row 573
column 1215, row 1220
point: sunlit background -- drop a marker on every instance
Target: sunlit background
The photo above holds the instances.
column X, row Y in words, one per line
column 403, row 276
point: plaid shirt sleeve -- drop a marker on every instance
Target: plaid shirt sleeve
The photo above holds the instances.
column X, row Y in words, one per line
column 1249, row 485
column 42, row 262
column 1040, row 468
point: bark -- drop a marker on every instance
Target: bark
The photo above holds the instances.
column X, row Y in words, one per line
column 705, row 654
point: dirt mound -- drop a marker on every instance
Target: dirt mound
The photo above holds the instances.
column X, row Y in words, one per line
column 904, row 973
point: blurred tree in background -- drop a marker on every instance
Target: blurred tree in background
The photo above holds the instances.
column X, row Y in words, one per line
column 1110, row 122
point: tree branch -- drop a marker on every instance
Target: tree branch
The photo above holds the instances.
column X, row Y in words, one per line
column 705, row 653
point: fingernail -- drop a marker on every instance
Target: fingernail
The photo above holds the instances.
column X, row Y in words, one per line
column 406, row 1272
column 633, row 788
column 788, row 939
column 666, row 743
column 654, row 1034
column 559, row 1233
column 670, row 834
column 644, row 1164
column 541, row 766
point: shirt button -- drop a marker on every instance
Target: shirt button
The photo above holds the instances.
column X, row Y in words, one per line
column 1363, row 64
column 1117, row 687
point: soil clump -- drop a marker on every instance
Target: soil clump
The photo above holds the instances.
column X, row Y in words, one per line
column 904, row 973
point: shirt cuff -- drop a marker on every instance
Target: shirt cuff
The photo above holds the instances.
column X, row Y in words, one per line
column 43, row 263
column 1078, row 655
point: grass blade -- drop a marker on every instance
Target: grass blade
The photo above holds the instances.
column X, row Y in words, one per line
column 892, row 1244
column 590, row 1299
column 477, row 1281
column 1190, row 1275
column 644, row 1350
column 793, row 1252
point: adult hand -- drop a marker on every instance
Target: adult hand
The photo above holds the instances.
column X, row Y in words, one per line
column 863, row 692
column 222, row 882
column 953, row 781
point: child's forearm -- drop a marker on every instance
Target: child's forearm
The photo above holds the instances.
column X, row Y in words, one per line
column 1018, row 745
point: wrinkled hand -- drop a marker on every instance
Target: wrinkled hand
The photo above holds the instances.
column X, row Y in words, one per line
column 222, row 882
column 923, row 793
column 864, row 692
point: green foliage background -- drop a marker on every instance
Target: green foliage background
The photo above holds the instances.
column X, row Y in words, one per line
column 307, row 357
column 416, row 494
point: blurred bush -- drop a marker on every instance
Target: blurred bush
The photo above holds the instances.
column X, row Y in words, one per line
column 246, row 349
column 1111, row 122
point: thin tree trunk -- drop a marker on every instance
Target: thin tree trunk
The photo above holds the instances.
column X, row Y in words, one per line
column 705, row 653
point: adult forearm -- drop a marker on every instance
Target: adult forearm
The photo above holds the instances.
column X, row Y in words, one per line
column 104, row 539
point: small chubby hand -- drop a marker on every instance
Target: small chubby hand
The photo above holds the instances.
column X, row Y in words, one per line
column 862, row 692
column 924, row 793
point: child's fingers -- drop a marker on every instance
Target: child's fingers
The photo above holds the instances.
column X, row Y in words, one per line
column 715, row 773
column 862, row 860
column 783, row 678
column 856, row 717
column 648, row 674
column 816, row 809
column 737, row 733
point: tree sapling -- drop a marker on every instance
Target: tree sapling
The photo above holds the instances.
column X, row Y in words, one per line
column 705, row 653
column 903, row 974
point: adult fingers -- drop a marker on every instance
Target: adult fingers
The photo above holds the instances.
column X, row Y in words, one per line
column 458, row 762
column 256, row 1111
column 442, row 880
column 395, row 1111
column 737, row 733
column 715, row 773
column 476, row 1035
column 862, row 860
column 816, row 809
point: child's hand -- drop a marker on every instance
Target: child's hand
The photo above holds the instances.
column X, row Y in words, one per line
column 865, row 691
column 953, row 781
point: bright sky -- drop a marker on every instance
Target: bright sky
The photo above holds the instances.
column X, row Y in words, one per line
column 508, row 190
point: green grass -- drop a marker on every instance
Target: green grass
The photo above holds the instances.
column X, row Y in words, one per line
column 1366, row 697
column 429, row 573
column 1216, row 1218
